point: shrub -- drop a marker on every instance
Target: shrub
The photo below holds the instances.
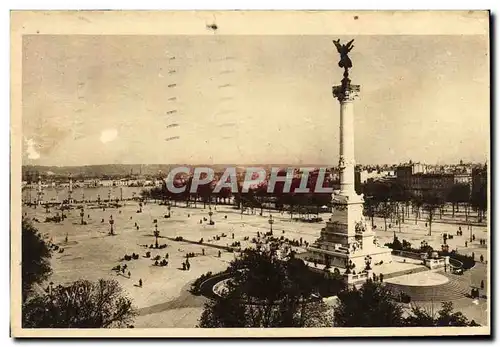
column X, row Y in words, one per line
column 195, row 286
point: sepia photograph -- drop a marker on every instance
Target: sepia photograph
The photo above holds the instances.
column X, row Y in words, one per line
column 175, row 174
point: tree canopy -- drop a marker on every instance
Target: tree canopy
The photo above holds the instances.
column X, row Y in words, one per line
column 372, row 305
column 35, row 263
column 420, row 317
column 267, row 292
column 82, row 304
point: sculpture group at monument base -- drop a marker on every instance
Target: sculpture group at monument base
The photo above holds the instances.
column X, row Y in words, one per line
column 340, row 260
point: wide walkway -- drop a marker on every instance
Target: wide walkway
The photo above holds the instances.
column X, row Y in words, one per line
column 455, row 290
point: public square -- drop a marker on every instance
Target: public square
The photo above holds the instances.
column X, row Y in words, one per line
column 164, row 300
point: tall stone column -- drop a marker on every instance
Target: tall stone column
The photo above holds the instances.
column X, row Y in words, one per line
column 347, row 241
column 346, row 94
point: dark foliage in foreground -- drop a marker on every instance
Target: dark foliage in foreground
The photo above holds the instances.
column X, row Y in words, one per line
column 445, row 317
column 267, row 292
column 373, row 305
column 35, row 263
column 82, row 304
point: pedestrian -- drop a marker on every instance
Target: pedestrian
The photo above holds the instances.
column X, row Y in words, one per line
column 481, row 258
column 219, row 254
column 140, row 282
column 465, row 243
column 203, row 251
column 129, row 274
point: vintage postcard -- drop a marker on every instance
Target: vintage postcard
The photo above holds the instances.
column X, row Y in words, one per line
column 250, row 174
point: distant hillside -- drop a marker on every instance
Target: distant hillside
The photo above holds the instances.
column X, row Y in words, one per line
column 110, row 170
column 31, row 172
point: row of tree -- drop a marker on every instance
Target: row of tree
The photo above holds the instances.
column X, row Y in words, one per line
column 387, row 199
column 257, row 196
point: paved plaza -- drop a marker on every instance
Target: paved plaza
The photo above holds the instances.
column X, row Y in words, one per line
column 163, row 300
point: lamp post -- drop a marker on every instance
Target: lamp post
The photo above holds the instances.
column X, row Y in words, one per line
column 210, row 213
column 368, row 261
column 271, row 222
column 169, row 208
column 423, row 244
column 111, row 222
column 109, row 195
column 82, row 213
column 156, row 233
column 470, row 232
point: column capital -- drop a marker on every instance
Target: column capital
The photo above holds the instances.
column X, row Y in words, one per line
column 347, row 93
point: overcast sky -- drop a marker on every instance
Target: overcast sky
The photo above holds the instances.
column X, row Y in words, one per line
column 251, row 99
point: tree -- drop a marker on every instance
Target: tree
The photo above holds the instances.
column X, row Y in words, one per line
column 417, row 203
column 479, row 201
column 385, row 210
column 459, row 193
column 35, row 263
column 266, row 292
column 370, row 206
column 224, row 312
column 431, row 202
column 82, row 304
column 373, row 305
column 445, row 317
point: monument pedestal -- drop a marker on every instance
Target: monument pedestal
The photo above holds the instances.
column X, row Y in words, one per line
column 347, row 241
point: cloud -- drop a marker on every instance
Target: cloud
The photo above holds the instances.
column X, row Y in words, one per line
column 31, row 151
column 108, row 135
